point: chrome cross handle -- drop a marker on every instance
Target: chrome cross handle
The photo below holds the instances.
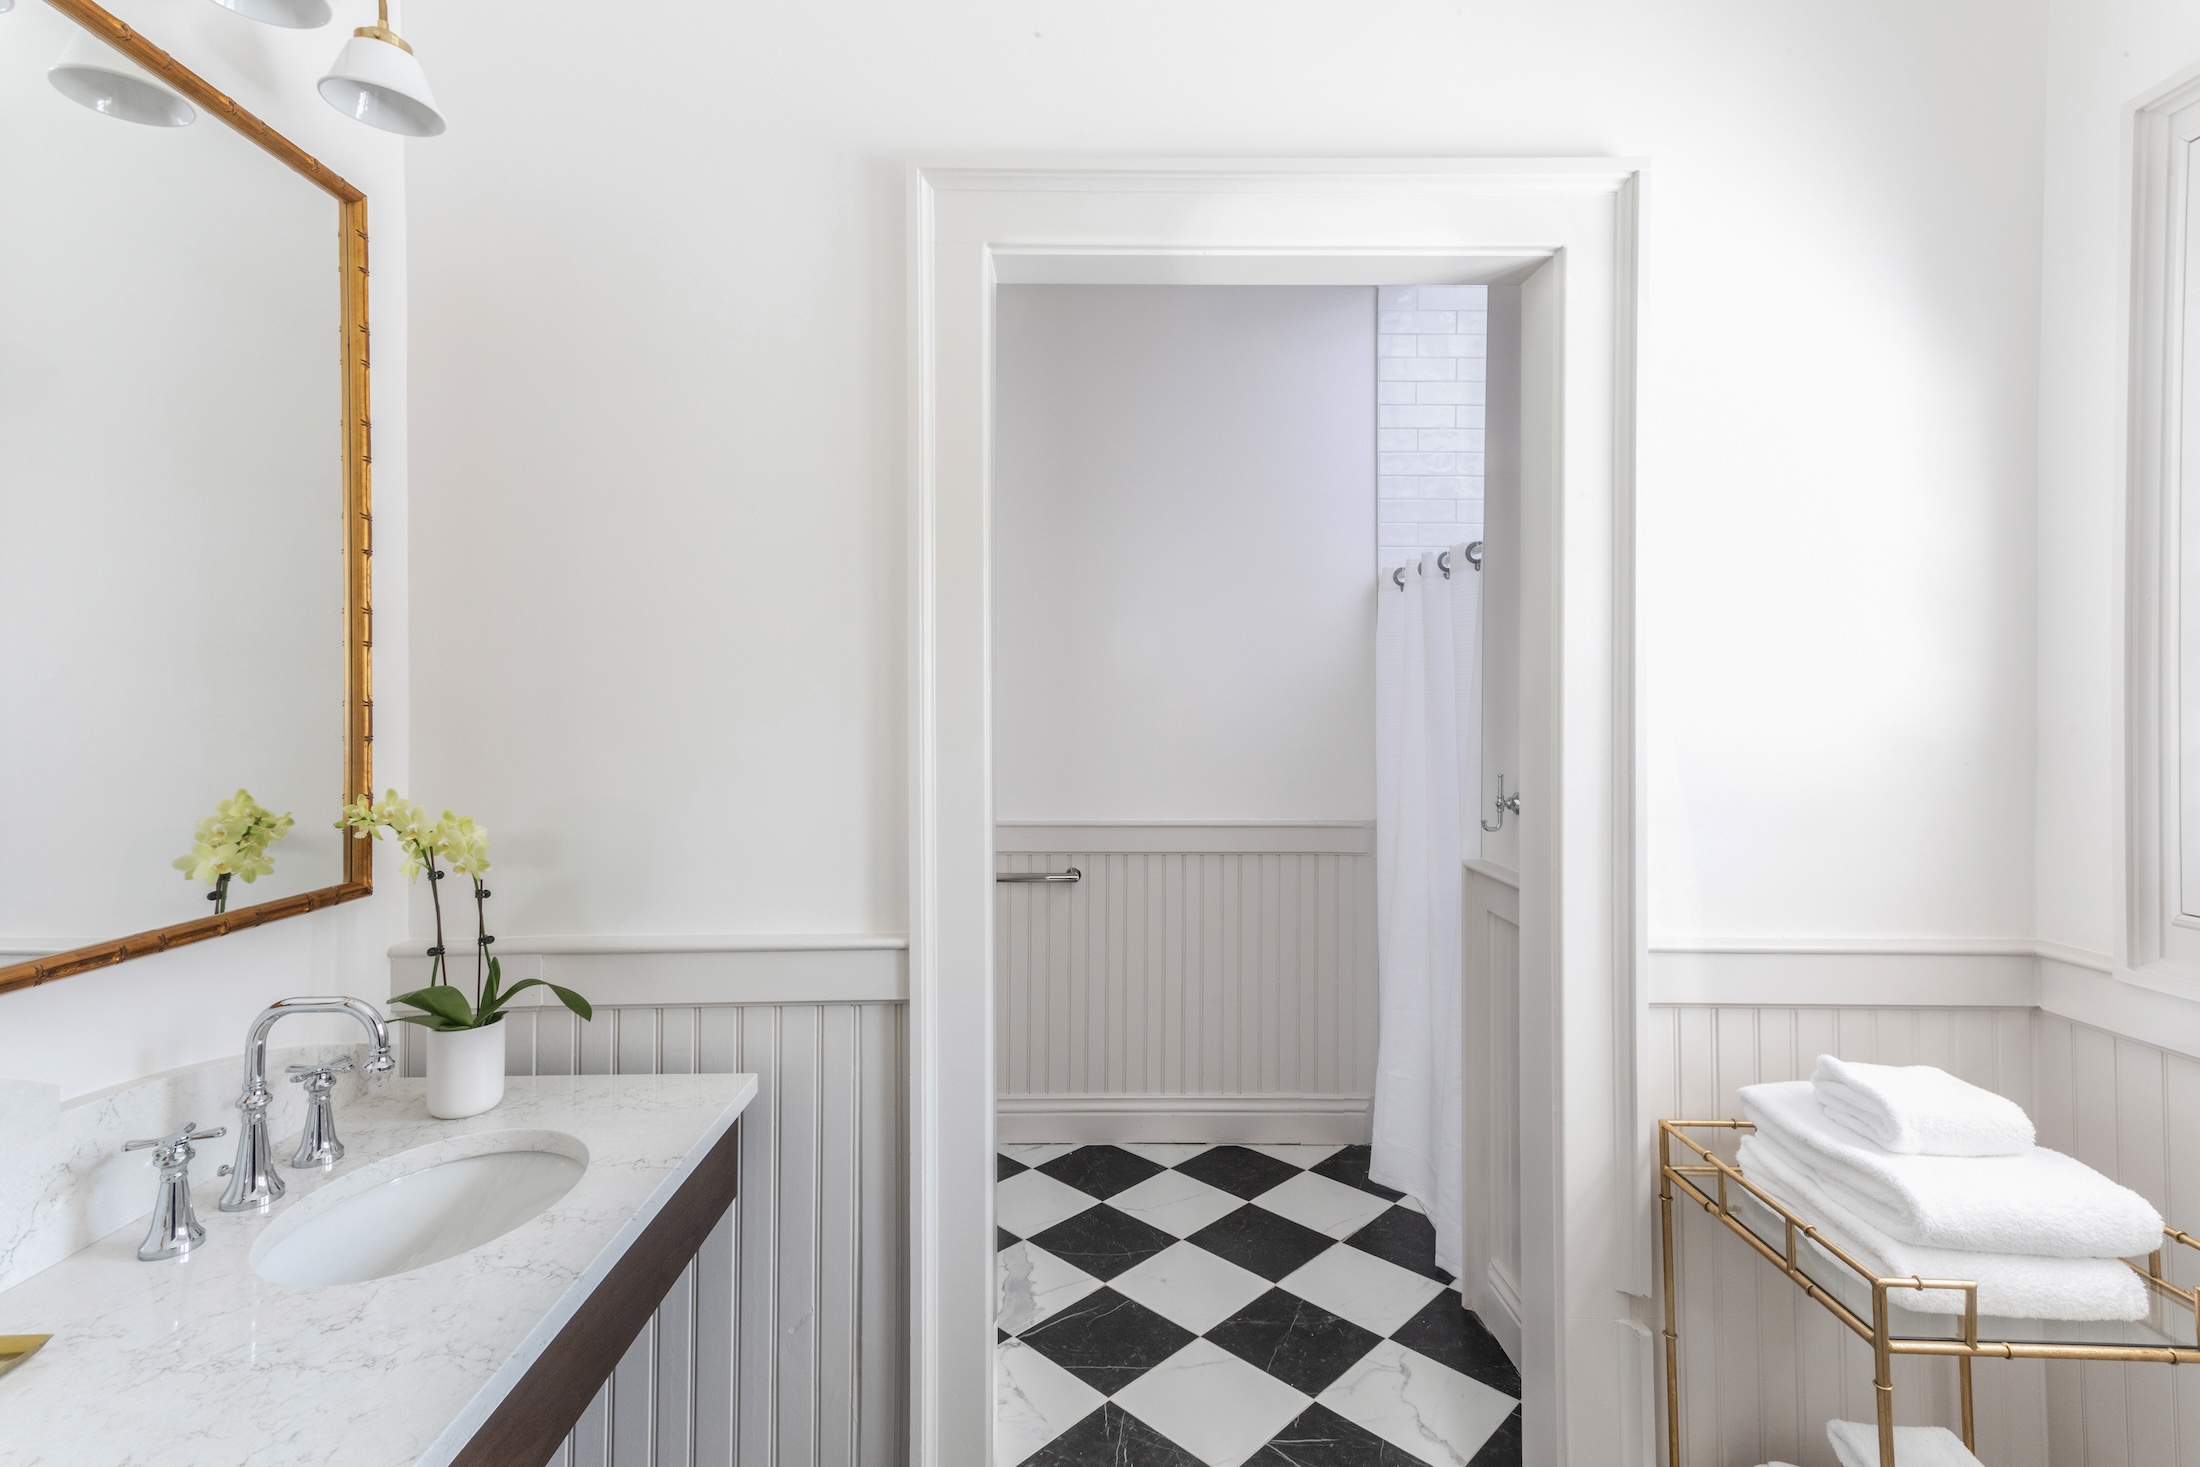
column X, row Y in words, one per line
column 175, row 1229
column 317, row 1143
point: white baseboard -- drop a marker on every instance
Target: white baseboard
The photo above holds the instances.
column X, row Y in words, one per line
column 1499, row 1307
column 1336, row 1120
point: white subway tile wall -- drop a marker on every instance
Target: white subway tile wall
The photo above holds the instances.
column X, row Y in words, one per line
column 1431, row 362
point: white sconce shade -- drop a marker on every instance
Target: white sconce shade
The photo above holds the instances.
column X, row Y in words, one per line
column 377, row 80
column 291, row 15
column 103, row 79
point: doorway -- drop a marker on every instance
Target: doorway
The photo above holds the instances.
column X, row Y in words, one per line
column 1211, row 503
column 1562, row 232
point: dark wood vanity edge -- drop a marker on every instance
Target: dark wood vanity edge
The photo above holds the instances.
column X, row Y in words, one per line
column 539, row 1412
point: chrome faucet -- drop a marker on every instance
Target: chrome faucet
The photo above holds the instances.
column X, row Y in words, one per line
column 253, row 1181
column 175, row 1228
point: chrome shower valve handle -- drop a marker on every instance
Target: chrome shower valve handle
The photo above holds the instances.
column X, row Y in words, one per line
column 317, row 1143
column 175, row 1228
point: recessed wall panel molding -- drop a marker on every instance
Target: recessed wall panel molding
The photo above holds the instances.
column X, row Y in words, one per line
column 1186, row 994
column 781, row 1346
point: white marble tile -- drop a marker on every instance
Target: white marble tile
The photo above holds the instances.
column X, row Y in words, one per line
column 1175, row 1203
column 1298, row 1156
column 1370, row 1292
column 1412, row 1204
column 1037, row 1153
column 1165, row 1153
column 1190, row 1286
column 1034, row 1401
column 1032, row 1202
column 1419, row 1406
column 1325, row 1206
column 219, row 1367
column 1212, row 1404
column 1035, row 1284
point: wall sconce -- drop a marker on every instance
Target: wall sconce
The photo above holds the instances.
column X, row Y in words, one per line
column 377, row 80
column 291, row 15
column 110, row 83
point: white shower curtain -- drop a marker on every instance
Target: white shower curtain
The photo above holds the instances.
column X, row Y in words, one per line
column 1428, row 731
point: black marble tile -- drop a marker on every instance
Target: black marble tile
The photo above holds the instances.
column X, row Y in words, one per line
column 1299, row 1343
column 1238, row 1170
column 1349, row 1166
column 1111, row 1437
column 1100, row 1171
column 1452, row 1335
column 1322, row 1438
column 1404, row 1237
column 1006, row 1166
column 1106, row 1340
column 1503, row 1447
column 1103, row 1242
column 1262, row 1242
column 1003, row 1238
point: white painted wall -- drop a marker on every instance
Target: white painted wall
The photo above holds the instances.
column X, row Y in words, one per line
column 2105, row 53
column 662, row 442
column 140, row 1018
column 1184, row 553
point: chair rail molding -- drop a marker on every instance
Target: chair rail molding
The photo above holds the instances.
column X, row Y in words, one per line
column 659, row 969
column 1565, row 231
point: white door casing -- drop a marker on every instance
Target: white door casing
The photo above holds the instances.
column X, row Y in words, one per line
column 1566, row 231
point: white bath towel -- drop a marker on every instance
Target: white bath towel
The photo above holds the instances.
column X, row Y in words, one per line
column 1856, row 1443
column 2041, row 1202
column 2011, row 1285
column 1921, row 1110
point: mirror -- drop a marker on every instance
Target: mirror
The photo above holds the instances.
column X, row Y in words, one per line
column 183, row 502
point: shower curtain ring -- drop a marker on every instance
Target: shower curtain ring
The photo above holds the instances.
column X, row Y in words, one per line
column 1443, row 563
column 1399, row 575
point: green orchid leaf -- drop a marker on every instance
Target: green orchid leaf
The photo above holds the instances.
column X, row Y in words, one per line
column 442, row 1000
column 572, row 1001
column 431, row 1021
column 566, row 996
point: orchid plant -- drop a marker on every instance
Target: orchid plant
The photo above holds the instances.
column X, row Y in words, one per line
column 454, row 843
column 233, row 841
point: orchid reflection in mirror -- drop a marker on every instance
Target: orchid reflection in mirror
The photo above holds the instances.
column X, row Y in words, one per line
column 233, row 841
column 465, row 1044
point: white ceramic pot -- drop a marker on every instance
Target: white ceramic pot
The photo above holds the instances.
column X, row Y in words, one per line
column 465, row 1071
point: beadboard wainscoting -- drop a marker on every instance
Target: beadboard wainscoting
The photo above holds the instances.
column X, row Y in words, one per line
column 1762, row 1369
column 782, row 1345
column 1200, row 983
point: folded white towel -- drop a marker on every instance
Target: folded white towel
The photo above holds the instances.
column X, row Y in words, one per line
column 1856, row 1443
column 2041, row 1202
column 1917, row 1109
column 2010, row 1285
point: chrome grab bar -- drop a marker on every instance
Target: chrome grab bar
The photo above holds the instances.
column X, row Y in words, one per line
column 1072, row 874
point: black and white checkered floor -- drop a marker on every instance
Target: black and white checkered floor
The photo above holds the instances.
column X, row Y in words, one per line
column 1207, row 1306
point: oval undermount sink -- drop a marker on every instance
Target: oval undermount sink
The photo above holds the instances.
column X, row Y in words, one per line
column 419, row 1207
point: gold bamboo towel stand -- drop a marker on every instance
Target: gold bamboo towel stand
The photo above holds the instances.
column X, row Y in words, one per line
column 1856, row 1296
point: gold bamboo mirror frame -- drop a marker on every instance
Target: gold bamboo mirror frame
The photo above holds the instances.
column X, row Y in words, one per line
column 356, row 449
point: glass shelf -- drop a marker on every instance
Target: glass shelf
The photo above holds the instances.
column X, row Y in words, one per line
column 2168, row 1325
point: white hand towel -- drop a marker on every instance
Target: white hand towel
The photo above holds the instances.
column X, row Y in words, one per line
column 1856, row 1443
column 1920, row 1110
column 2042, row 1202
column 2010, row 1285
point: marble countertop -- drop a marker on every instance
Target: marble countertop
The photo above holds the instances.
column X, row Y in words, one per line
column 199, row 1360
